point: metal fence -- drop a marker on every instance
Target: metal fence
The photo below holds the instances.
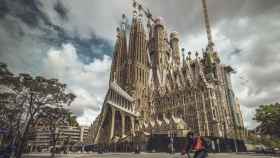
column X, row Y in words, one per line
column 159, row 143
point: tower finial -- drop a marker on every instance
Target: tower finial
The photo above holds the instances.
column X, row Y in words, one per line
column 183, row 50
column 183, row 56
column 189, row 56
column 196, row 54
column 141, row 8
column 134, row 13
column 207, row 25
column 124, row 22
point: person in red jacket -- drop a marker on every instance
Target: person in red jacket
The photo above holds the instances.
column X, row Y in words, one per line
column 200, row 147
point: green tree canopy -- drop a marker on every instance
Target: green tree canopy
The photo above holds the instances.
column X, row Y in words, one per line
column 269, row 118
column 24, row 99
column 72, row 119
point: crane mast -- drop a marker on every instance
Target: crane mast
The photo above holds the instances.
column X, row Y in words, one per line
column 207, row 25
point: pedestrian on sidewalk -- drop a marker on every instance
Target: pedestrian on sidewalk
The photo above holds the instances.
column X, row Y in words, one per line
column 188, row 146
column 200, row 146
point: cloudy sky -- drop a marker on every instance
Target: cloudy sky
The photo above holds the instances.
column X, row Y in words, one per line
column 73, row 40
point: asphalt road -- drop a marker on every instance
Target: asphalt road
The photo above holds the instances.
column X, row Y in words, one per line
column 147, row 155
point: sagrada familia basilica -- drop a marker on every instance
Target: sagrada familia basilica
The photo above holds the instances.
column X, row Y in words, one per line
column 156, row 87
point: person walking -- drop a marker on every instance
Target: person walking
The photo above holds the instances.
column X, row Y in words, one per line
column 188, row 146
column 201, row 147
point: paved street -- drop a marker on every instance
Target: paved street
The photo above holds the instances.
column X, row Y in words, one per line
column 145, row 155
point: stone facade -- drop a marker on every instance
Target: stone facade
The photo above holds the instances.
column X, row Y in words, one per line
column 157, row 88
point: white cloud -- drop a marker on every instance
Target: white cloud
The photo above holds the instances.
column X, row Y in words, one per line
column 89, row 16
column 87, row 82
column 88, row 117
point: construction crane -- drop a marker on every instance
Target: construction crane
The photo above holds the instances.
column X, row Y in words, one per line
column 207, row 25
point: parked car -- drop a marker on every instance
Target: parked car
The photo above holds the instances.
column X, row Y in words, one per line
column 269, row 151
column 277, row 151
column 260, row 148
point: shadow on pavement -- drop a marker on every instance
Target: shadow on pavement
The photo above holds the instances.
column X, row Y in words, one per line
column 258, row 154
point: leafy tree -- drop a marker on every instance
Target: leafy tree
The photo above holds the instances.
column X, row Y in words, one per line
column 30, row 96
column 268, row 142
column 8, row 115
column 72, row 119
column 269, row 118
column 10, row 107
column 66, row 144
column 54, row 118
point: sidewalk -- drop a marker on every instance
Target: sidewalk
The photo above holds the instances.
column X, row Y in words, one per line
column 144, row 155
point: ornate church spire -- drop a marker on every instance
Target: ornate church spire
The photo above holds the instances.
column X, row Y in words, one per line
column 174, row 43
column 118, row 70
column 138, row 56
